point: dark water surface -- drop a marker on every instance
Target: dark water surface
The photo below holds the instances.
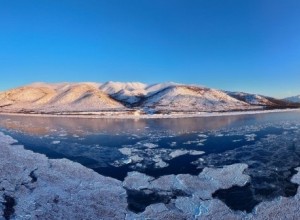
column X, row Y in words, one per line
column 268, row 143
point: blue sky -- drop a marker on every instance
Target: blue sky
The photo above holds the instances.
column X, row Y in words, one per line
column 248, row 45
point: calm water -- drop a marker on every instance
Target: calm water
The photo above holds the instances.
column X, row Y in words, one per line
column 268, row 143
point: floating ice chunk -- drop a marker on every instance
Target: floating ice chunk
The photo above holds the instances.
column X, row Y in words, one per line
column 197, row 142
column 219, row 135
column 127, row 161
column 136, row 159
column 137, row 181
column 63, row 135
column 159, row 163
column 202, row 135
column 178, row 153
column 139, row 165
column 126, row 151
column 250, row 137
column 150, row 145
column 173, row 144
column 237, row 140
column 55, row 142
column 196, row 152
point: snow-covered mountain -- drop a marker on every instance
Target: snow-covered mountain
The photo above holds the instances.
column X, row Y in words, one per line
column 64, row 97
column 126, row 92
column 294, row 99
column 252, row 99
column 133, row 92
column 181, row 98
column 128, row 98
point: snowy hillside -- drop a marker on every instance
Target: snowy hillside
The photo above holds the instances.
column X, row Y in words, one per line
column 252, row 99
column 57, row 98
column 259, row 100
column 125, row 92
column 128, row 98
column 133, row 92
column 191, row 99
column 295, row 99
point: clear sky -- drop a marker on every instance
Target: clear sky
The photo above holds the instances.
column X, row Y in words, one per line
column 247, row 45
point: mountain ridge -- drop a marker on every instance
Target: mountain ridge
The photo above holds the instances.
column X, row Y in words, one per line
column 294, row 99
column 129, row 98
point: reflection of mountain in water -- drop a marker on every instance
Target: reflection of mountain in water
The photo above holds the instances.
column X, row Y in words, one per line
column 44, row 125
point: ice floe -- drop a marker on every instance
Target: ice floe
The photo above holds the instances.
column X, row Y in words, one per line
column 42, row 188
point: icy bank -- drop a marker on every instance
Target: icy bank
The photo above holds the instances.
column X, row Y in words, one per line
column 35, row 187
column 39, row 188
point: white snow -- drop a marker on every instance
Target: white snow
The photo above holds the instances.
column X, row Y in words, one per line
column 117, row 99
column 192, row 99
column 295, row 99
column 57, row 98
column 128, row 92
column 252, row 99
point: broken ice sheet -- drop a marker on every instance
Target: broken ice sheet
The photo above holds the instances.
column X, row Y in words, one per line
column 150, row 145
column 250, row 137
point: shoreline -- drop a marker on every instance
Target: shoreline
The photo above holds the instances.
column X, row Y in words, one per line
column 94, row 115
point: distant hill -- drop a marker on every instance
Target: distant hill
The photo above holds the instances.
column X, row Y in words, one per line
column 71, row 98
column 64, row 97
column 294, row 99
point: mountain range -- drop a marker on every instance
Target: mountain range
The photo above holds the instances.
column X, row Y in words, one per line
column 130, row 98
column 294, row 99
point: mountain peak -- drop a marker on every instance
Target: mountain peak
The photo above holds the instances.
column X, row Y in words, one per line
column 125, row 97
column 294, row 99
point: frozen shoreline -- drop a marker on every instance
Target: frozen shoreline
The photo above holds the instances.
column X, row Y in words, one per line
column 35, row 187
column 100, row 115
